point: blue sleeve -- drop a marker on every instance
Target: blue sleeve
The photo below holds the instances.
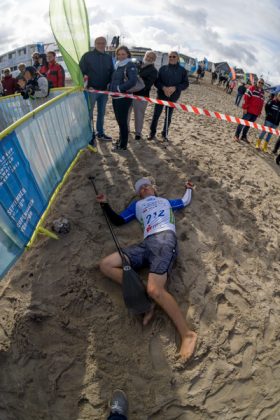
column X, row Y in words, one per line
column 129, row 213
column 176, row 204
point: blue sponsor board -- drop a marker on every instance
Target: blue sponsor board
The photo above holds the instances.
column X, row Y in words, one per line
column 21, row 201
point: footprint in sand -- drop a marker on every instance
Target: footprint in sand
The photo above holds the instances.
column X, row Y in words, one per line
column 158, row 359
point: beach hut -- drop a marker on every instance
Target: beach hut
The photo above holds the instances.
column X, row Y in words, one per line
column 222, row 67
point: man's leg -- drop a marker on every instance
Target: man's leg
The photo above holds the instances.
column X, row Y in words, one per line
column 168, row 112
column 157, row 112
column 249, row 117
column 276, row 146
column 101, row 108
column 111, row 266
column 156, row 290
column 92, row 100
column 124, row 106
column 239, row 100
column 238, row 131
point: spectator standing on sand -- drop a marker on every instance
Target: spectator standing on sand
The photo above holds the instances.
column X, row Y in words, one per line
column 232, row 85
column 252, row 106
column 172, row 80
column 272, row 120
column 240, row 92
column 148, row 73
column 97, row 65
column 123, row 79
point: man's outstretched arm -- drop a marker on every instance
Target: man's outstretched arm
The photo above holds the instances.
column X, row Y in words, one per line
column 180, row 203
column 117, row 219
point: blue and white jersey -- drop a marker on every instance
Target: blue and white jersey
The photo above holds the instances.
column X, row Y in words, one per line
column 155, row 214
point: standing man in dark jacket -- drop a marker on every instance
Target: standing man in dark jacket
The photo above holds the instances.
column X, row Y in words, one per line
column 172, row 79
column 272, row 120
column 98, row 67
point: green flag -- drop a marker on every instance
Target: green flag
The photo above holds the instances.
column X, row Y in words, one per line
column 69, row 23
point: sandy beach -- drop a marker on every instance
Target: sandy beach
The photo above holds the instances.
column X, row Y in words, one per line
column 66, row 338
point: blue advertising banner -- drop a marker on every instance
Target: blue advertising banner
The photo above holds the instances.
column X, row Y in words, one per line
column 33, row 161
column 21, row 202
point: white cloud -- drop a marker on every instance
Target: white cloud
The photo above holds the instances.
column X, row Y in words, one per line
column 244, row 33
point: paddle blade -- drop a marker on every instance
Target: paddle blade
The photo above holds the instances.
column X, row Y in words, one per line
column 134, row 292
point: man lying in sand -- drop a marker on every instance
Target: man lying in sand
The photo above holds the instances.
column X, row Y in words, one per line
column 157, row 251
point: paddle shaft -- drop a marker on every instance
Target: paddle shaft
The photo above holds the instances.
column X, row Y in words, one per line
column 115, row 239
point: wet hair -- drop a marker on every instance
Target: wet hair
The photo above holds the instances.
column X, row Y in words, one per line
column 123, row 47
column 52, row 52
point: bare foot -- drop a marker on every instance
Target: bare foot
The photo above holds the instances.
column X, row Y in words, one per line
column 188, row 345
column 149, row 315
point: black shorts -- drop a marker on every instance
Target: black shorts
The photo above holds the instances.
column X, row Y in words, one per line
column 157, row 252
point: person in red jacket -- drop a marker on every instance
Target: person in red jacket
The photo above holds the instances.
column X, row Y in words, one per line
column 55, row 73
column 252, row 105
column 9, row 83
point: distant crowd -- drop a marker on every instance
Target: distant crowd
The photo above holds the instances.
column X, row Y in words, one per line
column 34, row 81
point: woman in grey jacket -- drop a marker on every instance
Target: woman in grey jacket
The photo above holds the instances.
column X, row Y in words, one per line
column 123, row 79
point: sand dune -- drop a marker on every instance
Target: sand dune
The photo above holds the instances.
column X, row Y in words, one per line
column 66, row 339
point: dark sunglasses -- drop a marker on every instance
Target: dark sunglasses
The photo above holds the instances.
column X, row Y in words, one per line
column 173, row 56
column 261, row 83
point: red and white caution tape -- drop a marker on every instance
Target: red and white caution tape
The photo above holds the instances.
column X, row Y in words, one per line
column 190, row 108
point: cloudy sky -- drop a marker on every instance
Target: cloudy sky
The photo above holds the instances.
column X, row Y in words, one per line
column 244, row 33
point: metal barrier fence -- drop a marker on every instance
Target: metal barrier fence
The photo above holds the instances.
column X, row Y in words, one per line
column 14, row 107
column 35, row 154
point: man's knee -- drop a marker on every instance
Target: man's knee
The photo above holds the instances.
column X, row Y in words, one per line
column 109, row 262
column 154, row 291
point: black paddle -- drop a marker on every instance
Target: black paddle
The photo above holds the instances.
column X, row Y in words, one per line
column 134, row 292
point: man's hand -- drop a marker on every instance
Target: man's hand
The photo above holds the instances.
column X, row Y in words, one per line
column 189, row 185
column 166, row 91
column 171, row 90
column 101, row 198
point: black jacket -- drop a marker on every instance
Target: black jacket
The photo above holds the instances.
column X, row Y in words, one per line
column 241, row 89
column 124, row 78
column 172, row 75
column 98, row 67
column 149, row 75
column 272, row 109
